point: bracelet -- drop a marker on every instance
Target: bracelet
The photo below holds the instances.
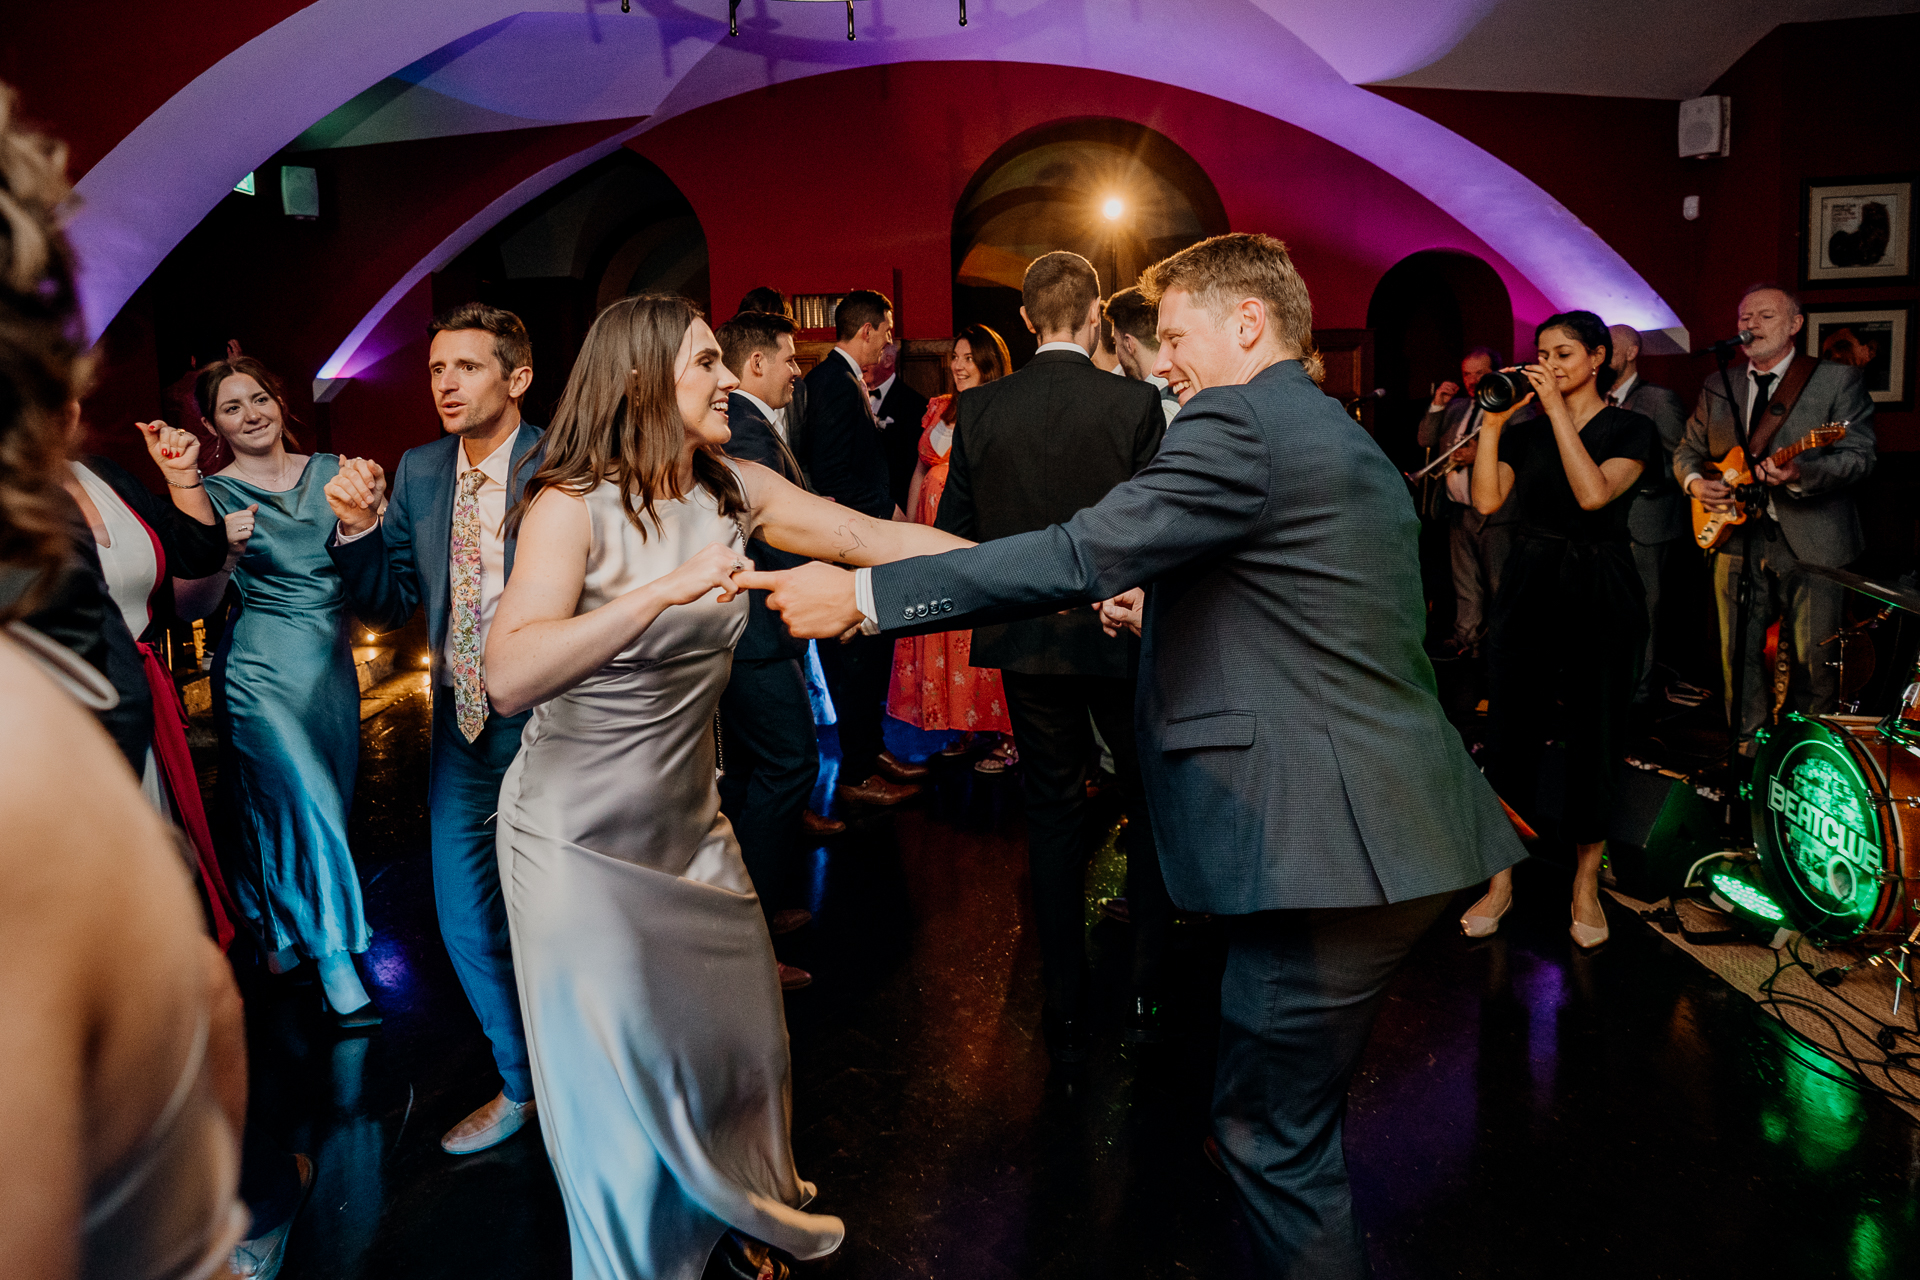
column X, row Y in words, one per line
column 195, row 485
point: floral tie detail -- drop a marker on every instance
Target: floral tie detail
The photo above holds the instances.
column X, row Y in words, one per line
column 469, row 684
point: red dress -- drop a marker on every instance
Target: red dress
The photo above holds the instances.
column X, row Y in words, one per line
column 935, row 686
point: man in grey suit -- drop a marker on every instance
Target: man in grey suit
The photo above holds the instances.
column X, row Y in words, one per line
column 1477, row 544
column 1303, row 780
column 1659, row 516
column 1809, row 516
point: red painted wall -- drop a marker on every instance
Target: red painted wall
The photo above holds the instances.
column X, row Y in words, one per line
column 93, row 73
column 839, row 215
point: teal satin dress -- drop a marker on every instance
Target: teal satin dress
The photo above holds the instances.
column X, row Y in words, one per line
column 287, row 703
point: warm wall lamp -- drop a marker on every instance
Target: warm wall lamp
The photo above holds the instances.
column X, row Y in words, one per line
column 733, row 13
column 1113, row 208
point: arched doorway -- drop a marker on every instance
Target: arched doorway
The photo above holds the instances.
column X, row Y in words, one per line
column 1119, row 194
column 616, row 228
column 1428, row 311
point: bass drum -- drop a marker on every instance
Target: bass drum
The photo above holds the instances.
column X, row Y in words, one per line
column 1836, row 818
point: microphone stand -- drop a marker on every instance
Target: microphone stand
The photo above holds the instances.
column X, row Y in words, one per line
column 1743, row 587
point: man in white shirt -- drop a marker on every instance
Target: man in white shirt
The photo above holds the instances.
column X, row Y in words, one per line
column 1137, row 346
column 1807, row 515
column 442, row 543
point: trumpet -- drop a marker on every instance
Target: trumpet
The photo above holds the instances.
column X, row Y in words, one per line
column 1417, row 476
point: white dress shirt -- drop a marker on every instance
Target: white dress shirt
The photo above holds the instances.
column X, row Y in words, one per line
column 858, row 372
column 493, row 542
column 1062, row 346
column 1623, row 388
column 777, row 417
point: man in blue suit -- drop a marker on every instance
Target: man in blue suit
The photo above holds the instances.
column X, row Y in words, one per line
column 1303, row 781
column 443, row 543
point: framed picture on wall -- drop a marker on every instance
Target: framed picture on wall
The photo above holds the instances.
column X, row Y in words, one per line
column 1874, row 339
column 1859, row 230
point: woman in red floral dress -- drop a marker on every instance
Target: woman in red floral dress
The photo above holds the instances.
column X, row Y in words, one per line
column 935, row 685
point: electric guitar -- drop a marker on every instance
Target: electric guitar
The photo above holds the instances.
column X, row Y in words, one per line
column 1711, row 528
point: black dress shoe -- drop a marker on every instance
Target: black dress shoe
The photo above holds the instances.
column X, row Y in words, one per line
column 365, row 1018
column 1143, row 1023
column 901, row 770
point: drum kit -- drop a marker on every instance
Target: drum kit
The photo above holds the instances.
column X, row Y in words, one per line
column 1835, row 807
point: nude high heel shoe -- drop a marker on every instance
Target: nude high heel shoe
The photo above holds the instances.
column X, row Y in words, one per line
column 1586, row 936
column 1475, row 925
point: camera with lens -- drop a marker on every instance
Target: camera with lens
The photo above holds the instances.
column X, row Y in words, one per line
column 1502, row 389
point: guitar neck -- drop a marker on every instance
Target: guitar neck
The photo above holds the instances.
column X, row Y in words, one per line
column 1825, row 435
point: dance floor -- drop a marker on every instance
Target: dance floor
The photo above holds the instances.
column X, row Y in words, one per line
column 1523, row 1111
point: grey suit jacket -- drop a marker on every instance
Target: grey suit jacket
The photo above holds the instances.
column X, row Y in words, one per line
column 1660, row 512
column 1294, row 752
column 409, row 564
column 1816, row 515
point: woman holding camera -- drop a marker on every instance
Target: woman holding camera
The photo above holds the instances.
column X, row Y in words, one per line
column 1569, row 622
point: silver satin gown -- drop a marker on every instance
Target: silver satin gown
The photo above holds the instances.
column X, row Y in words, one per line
column 647, row 979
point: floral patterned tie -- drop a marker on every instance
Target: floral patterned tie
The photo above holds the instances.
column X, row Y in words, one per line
column 469, row 685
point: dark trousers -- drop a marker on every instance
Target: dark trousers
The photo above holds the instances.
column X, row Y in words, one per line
column 857, row 673
column 1297, row 1004
column 1650, row 558
column 1808, row 609
column 1052, row 729
column 772, row 760
column 463, row 796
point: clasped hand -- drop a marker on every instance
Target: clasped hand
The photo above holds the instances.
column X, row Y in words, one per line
column 358, row 495
column 1122, row 612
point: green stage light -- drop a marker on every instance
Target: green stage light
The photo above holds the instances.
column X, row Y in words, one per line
column 1747, row 898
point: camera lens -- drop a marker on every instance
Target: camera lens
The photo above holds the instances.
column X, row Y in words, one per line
column 1500, row 390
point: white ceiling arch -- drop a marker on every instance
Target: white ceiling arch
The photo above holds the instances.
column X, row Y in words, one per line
column 521, row 62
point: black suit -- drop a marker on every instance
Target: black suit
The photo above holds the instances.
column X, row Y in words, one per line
column 901, row 412
column 1302, row 776
column 844, row 455
column 1030, row 450
column 766, row 721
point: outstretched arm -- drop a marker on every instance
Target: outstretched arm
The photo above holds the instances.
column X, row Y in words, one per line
column 790, row 518
column 537, row 648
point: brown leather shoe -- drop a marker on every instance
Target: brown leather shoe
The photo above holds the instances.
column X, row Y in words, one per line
column 792, row 979
column 789, row 920
column 900, row 770
column 877, row 790
column 815, row 825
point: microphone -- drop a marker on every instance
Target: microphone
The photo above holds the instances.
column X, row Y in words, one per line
column 1727, row 346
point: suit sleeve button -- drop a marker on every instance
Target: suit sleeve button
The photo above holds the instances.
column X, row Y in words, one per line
column 907, row 612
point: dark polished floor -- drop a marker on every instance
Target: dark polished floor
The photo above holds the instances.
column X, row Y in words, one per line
column 1522, row 1112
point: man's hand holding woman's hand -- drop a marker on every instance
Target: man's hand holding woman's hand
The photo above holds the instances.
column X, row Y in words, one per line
column 715, row 567
column 816, row 600
column 1122, row 612
column 358, row 495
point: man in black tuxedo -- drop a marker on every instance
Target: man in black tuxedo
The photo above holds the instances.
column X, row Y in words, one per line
column 791, row 421
column 1029, row 450
column 1659, row 517
column 1282, row 680
column 899, row 410
column 766, row 720
column 844, row 454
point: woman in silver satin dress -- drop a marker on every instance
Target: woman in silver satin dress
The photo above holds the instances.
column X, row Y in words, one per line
column 647, row 979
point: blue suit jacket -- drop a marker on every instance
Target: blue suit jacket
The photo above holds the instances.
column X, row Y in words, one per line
column 1293, row 749
column 409, row 565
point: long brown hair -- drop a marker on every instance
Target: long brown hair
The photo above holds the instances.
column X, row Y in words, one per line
column 619, row 418
column 206, row 394
column 42, row 360
column 990, row 358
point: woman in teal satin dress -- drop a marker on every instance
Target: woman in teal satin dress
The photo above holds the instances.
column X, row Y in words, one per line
column 285, row 693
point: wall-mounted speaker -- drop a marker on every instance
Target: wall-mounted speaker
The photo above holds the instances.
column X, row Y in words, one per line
column 1706, row 127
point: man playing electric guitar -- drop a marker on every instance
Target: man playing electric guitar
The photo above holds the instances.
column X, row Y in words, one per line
column 1778, row 399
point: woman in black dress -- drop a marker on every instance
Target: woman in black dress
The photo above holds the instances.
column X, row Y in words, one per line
column 1569, row 624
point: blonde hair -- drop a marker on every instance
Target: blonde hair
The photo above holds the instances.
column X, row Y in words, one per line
column 1222, row 271
column 619, row 418
column 42, row 360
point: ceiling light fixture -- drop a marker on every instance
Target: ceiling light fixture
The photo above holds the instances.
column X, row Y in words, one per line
column 733, row 15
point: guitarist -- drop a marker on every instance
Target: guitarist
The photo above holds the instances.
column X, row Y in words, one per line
column 1808, row 516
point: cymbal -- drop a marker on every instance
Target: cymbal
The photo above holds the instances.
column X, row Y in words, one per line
column 1886, row 593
